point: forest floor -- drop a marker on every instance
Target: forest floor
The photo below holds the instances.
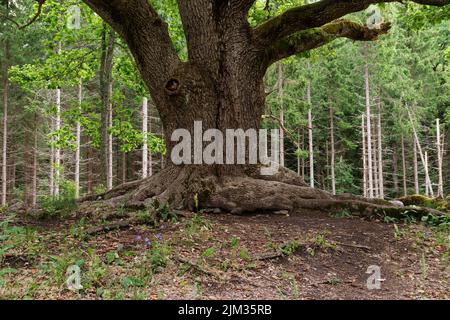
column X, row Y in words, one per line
column 305, row 255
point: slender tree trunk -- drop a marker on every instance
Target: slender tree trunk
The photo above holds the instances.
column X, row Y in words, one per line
column 395, row 170
column 369, row 128
column 364, row 155
column 415, row 168
column 35, row 161
column 78, row 143
column 427, row 184
column 57, row 128
column 107, row 55
column 303, row 159
column 280, row 85
column 333, row 178
column 89, row 170
column 52, row 162
column 124, row 167
column 310, row 132
column 375, row 161
column 405, row 189
column 109, row 177
column 5, row 122
column 380, row 153
column 26, row 169
column 150, row 156
column 144, row 133
column 422, row 157
column 440, row 192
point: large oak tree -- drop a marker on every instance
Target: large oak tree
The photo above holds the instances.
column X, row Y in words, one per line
column 221, row 84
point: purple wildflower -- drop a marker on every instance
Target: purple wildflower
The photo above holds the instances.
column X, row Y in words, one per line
column 158, row 236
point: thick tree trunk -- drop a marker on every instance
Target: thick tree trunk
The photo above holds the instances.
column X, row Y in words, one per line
column 222, row 86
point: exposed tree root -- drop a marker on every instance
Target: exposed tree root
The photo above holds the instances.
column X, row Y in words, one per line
column 122, row 224
column 197, row 187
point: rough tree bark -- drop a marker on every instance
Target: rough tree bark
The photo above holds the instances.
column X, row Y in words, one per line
column 221, row 85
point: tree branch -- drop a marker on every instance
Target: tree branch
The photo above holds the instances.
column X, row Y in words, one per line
column 310, row 39
column 36, row 15
column 316, row 15
column 146, row 35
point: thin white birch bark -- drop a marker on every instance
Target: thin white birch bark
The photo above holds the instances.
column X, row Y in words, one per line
column 144, row 133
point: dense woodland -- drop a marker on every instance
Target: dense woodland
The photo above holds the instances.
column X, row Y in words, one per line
column 92, row 90
column 78, row 119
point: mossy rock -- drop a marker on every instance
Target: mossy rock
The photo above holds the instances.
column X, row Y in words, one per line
column 423, row 201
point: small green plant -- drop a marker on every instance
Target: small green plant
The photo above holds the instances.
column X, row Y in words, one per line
column 163, row 211
column 62, row 205
column 158, row 256
column 289, row 248
column 389, row 219
column 111, row 257
column 196, row 224
column 243, row 254
column 343, row 214
column 146, row 217
column 208, row 253
column 234, row 243
column 334, row 281
column 128, row 282
column 77, row 229
column 99, row 189
column 398, row 234
column 442, row 222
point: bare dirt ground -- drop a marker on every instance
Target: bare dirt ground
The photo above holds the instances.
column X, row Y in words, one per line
column 307, row 255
